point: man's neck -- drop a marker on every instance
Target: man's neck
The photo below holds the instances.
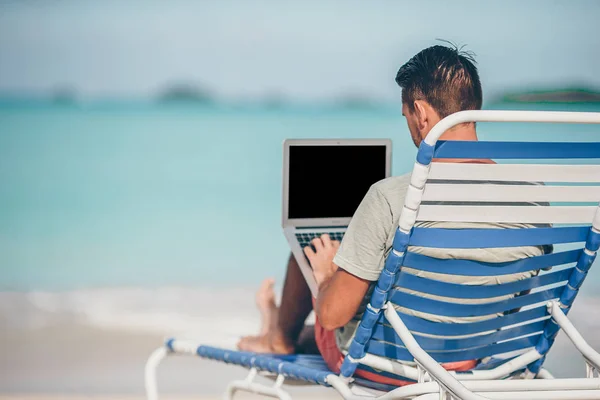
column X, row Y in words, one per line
column 465, row 132
column 460, row 132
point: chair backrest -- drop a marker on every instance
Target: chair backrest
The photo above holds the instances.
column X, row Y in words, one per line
column 567, row 215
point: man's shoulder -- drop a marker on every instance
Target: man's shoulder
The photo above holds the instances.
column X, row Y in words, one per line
column 392, row 186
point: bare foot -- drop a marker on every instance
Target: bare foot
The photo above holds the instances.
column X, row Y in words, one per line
column 271, row 343
column 265, row 301
column 270, row 339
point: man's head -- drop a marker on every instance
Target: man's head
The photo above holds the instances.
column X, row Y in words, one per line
column 435, row 83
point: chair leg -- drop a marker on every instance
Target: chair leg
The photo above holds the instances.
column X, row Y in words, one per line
column 248, row 385
column 150, row 372
column 544, row 374
column 591, row 371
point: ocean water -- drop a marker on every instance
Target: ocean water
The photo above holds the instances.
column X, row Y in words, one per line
column 153, row 196
column 124, row 201
column 142, row 195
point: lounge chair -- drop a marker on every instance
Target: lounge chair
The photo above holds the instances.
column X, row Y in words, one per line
column 513, row 343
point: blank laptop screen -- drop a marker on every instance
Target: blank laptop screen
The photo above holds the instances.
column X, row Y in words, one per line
column 331, row 181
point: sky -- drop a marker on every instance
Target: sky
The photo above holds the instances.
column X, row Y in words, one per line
column 304, row 50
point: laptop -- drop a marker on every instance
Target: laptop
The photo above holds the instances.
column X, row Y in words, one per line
column 324, row 181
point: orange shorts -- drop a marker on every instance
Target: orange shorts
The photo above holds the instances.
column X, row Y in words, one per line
column 333, row 358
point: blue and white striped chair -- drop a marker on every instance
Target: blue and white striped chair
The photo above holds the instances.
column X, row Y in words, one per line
column 514, row 344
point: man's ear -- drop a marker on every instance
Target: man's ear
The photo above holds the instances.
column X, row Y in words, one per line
column 422, row 117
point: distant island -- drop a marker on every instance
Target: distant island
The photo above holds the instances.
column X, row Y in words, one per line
column 190, row 94
column 566, row 95
column 355, row 101
column 185, row 94
column 64, row 96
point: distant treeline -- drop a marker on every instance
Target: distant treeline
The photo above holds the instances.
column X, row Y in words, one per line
column 565, row 95
column 190, row 94
column 185, row 93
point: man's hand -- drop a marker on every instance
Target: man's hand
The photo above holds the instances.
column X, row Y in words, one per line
column 340, row 293
column 321, row 260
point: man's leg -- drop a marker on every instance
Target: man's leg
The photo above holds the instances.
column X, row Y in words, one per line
column 296, row 302
column 285, row 324
column 307, row 343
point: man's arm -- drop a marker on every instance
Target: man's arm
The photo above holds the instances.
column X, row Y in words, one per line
column 340, row 293
column 339, row 299
column 359, row 257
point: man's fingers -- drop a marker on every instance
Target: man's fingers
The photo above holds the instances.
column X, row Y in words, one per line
column 336, row 244
column 309, row 252
column 326, row 240
column 318, row 243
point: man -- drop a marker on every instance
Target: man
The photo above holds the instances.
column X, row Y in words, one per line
column 435, row 83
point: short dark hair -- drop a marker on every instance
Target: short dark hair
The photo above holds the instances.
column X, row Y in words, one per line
column 445, row 77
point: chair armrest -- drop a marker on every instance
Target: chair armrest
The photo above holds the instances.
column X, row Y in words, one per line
column 573, row 334
column 435, row 370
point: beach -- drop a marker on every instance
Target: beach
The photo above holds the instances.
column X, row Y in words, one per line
column 70, row 355
column 123, row 225
column 59, row 354
column 142, row 170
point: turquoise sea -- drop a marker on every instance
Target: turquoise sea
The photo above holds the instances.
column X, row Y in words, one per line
column 148, row 195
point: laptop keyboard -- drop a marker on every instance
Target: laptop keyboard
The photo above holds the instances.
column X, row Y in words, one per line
column 304, row 238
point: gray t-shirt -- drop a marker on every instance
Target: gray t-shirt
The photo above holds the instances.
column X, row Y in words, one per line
column 369, row 238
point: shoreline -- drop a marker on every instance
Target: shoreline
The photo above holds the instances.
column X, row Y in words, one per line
column 50, row 354
column 74, row 361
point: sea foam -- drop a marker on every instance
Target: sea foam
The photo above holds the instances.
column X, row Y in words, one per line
column 218, row 317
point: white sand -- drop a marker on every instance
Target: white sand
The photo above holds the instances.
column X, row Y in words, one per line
column 68, row 359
